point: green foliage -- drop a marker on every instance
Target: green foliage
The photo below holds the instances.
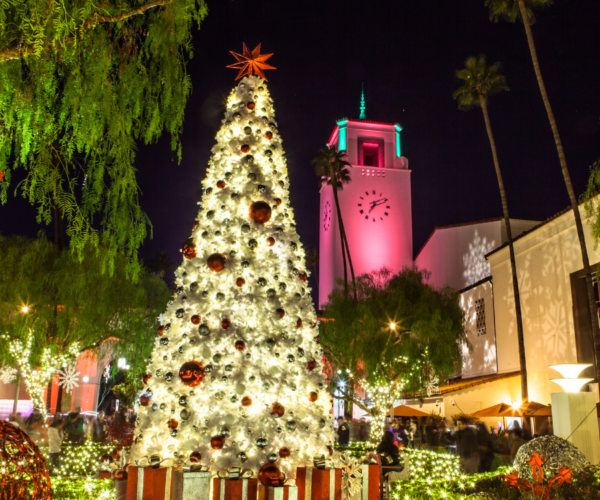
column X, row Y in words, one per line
column 508, row 10
column 428, row 325
column 78, row 489
column 81, row 82
column 332, row 167
column 592, row 204
column 80, row 461
column 478, row 79
column 71, row 301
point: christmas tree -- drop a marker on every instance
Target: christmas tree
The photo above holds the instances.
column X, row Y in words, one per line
column 235, row 378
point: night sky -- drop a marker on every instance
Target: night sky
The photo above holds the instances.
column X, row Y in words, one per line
column 406, row 52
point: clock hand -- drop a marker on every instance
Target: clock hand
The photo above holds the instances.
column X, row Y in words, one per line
column 377, row 203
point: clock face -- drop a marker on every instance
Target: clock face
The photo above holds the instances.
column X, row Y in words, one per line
column 373, row 206
column 327, row 216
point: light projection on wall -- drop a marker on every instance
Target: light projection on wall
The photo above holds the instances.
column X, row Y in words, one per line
column 476, row 266
column 342, row 140
column 398, row 149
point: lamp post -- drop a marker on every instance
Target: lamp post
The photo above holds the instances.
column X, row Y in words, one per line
column 574, row 415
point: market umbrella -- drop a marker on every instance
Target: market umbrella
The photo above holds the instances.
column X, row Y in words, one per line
column 524, row 410
column 405, row 411
column 492, row 411
column 545, row 411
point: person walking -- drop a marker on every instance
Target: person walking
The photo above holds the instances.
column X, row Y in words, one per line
column 343, row 432
column 99, row 428
column 75, row 426
column 55, row 439
column 516, row 443
column 415, row 435
column 486, row 449
column 466, row 445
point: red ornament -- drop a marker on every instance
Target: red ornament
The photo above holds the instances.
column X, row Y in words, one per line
column 246, row 401
column 144, row 400
column 278, row 410
column 313, row 396
column 302, row 276
column 251, row 105
column 330, row 450
column 226, row 323
column 270, row 241
column 189, row 249
column 310, row 366
column 540, row 488
column 245, row 148
column 191, row 373
column 284, row 452
column 280, row 312
column 196, row 224
column 260, row 212
column 277, row 201
column 1, row 176
column 313, row 324
column 195, row 319
column 240, row 345
column 221, row 184
column 217, row 442
column 216, row 262
column 270, row 475
column 161, row 330
column 299, row 323
column 251, row 63
column 268, row 134
column 195, row 457
column 146, row 378
column 173, row 424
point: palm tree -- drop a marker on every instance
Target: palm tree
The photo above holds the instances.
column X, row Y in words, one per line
column 312, row 260
column 479, row 81
column 511, row 10
column 331, row 166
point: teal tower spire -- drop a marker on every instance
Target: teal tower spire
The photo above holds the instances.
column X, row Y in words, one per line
column 363, row 115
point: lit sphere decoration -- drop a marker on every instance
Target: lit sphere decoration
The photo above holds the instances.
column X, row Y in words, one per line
column 313, row 396
column 284, row 452
column 189, row 249
column 144, row 400
column 260, row 212
column 195, row 319
column 246, row 401
column 191, row 373
column 270, row 475
column 221, row 184
column 216, row 262
column 240, row 282
column 556, row 451
column 24, row 472
column 240, row 345
column 217, row 442
column 278, row 410
column 225, row 323
column 270, row 241
column 160, row 331
column 195, row 457
column 310, row 366
column 146, row 378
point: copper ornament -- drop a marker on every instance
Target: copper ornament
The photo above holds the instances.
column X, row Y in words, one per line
column 260, row 212
column 216, row 262
column 191, row 373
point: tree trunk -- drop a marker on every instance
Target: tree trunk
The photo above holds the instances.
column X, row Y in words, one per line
column 351, row 267
column 513, row 264
column 341, row 228
column 17, row 390
column 574, row 204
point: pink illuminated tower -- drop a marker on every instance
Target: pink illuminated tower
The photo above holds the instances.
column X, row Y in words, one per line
column 375, row 205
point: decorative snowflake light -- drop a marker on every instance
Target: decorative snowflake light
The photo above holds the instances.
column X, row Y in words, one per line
column 68, row 378
column 432, row 386
column 7, row 374
column 476, row 266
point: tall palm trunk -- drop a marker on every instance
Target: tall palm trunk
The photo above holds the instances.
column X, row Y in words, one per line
column 351, row 267
column 513, row 264
column 565, row 171
column 341, row 228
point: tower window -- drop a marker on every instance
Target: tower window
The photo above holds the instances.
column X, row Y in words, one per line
column 370, row 152
column 480, row 317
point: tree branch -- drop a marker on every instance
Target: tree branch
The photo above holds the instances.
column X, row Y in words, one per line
column 23, row 51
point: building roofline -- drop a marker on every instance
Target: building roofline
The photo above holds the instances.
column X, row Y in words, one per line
column 450, row 226
column 463, row 384
column 538, row 226
column 480, row 282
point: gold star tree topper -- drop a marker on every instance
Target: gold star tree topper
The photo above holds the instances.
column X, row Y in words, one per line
column 251, row 62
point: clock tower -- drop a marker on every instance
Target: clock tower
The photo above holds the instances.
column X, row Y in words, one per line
column 375, row 205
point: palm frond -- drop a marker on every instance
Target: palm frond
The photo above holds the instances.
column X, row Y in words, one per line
column 508, row 10
column 478, row 79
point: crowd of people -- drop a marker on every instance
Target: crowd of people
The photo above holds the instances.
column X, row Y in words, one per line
column 72, row 428
column 476, row 446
